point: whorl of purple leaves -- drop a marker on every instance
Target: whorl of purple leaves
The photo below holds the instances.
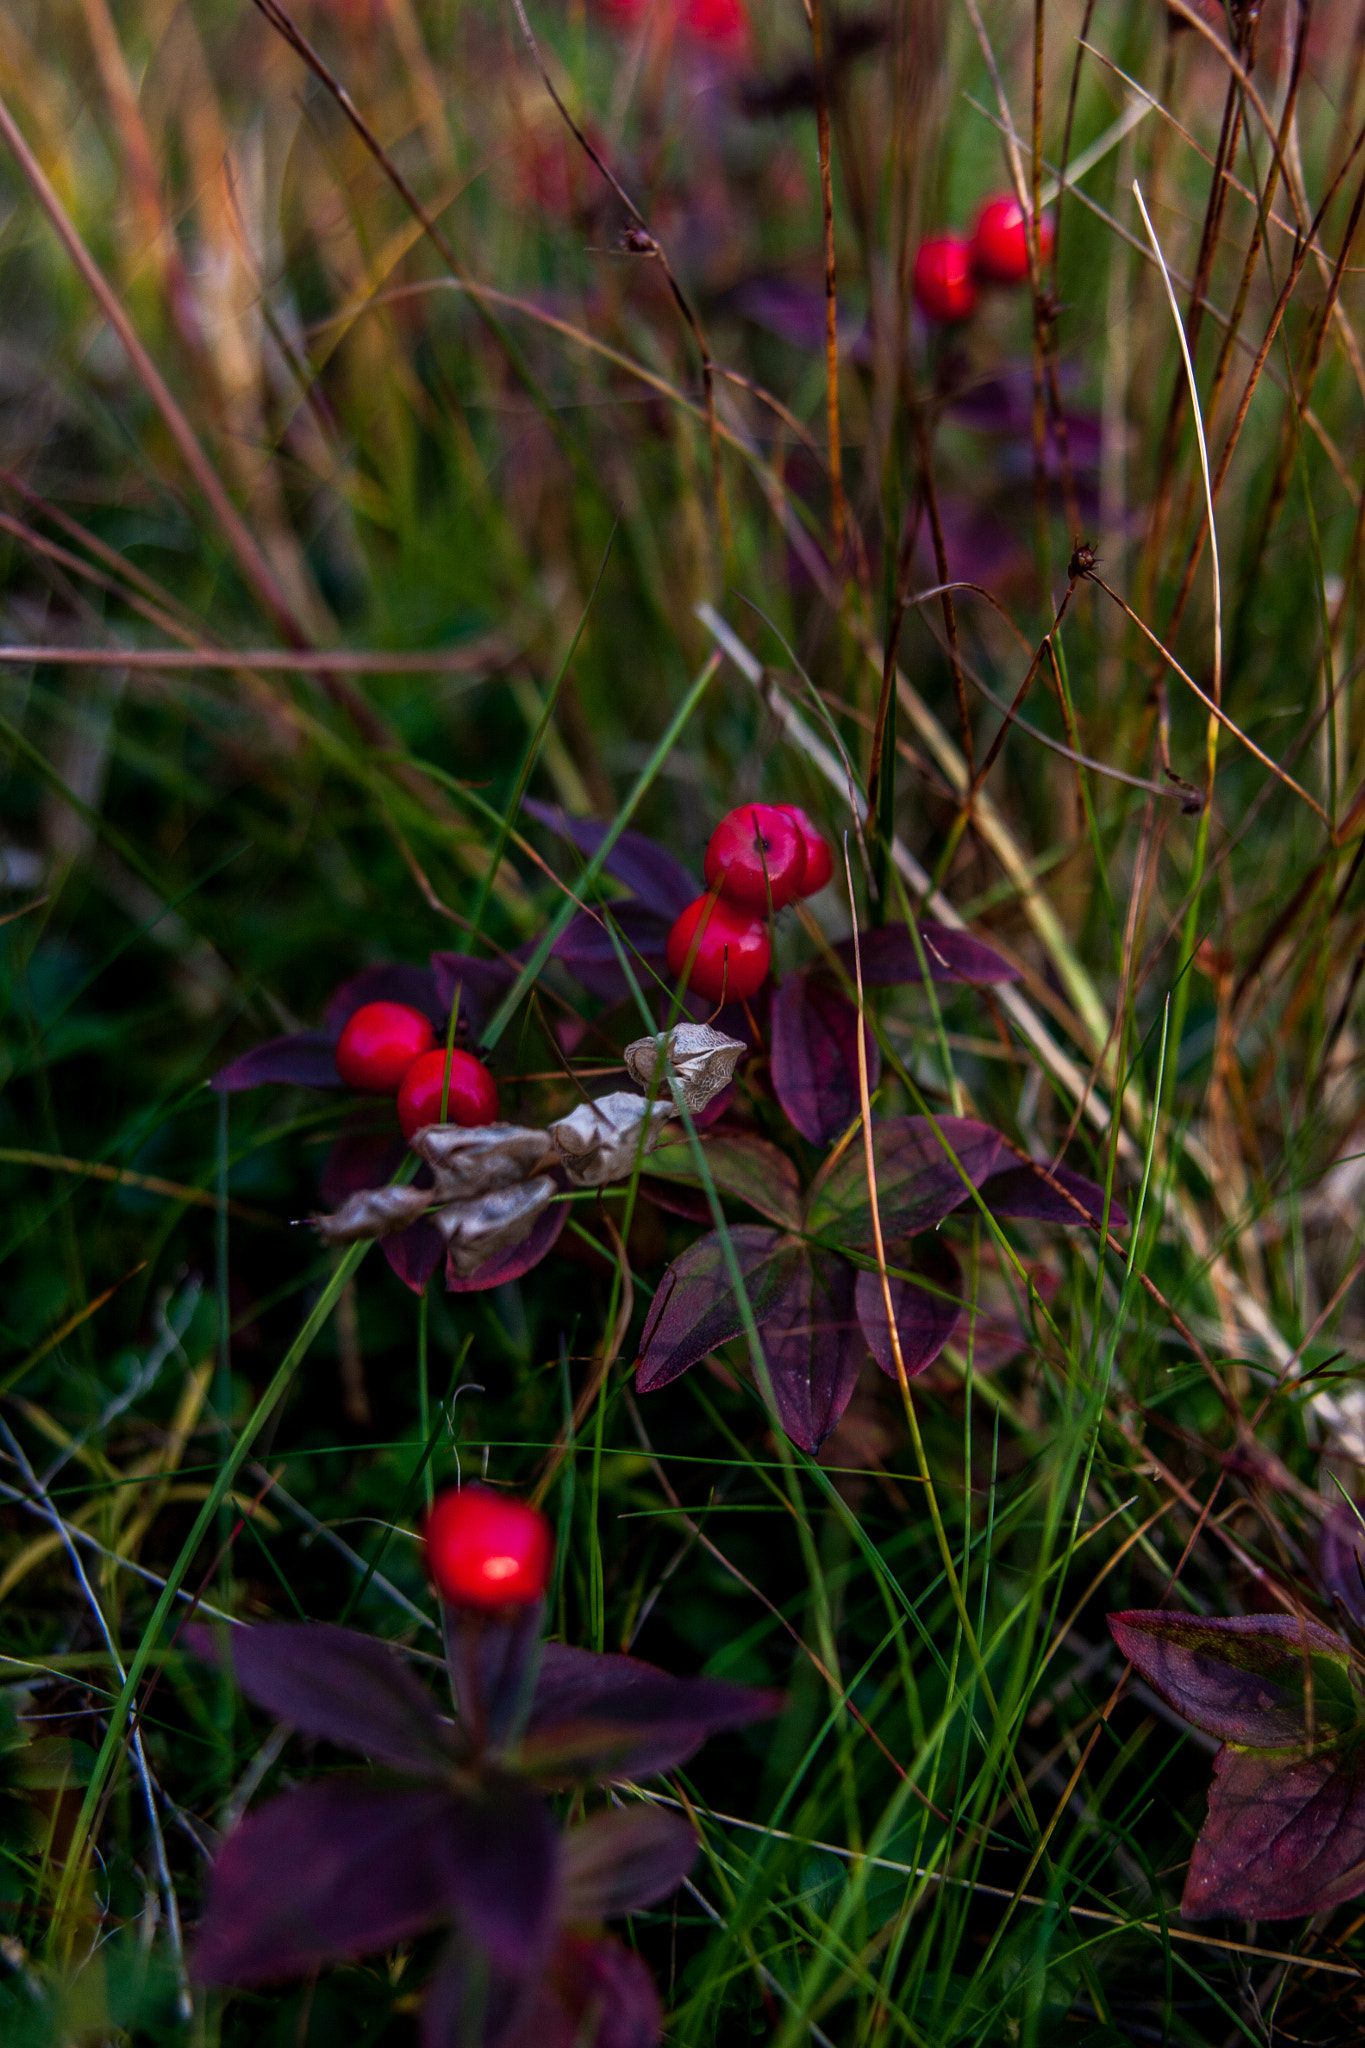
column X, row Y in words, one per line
column 1285, row 1833
column 816, row 1316
column 452, row 1827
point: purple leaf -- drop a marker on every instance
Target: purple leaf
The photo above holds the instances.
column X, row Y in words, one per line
column 678, row 1200
column 359, row 1159
column 925, row 1316
column 1285, row 1835
column 482, row 985
column 607, row 1716
column 470, row 2004
column 390, row 981
column 741, row 1164
column 499, row 1859
column 695, row 1308
column 415, row 1253
column 1341, row 1553
column 1246, row 1678
column 659, row 882
column 338, row 1868
column 814, row 1350
column 593, row 1993
column 1023, row 1191
column 305, row 1059
column 517, row 1259
column 918, row 1184
column 586, row 949
column 624, row 1860
column 889, row 956
column 340, row 1686
column 815, row 1057
column 490, row 1660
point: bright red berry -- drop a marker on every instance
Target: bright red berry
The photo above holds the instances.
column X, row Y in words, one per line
column 378, row 1044
column 1000, row 243
column 485, row 1550
column 732, row 953
column 754, row 854
column 472, row 1097
column 722, row 23
column 819, row 854
column 944, row 285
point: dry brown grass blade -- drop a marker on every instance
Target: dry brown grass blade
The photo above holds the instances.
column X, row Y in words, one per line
column 490, row 651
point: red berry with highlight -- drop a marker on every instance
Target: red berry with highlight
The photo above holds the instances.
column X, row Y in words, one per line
column 943, row 282
column 754, row 853
column 819, row 853
column 379, row 1043
column 1000, row 243
column 486, row 1550
column 472, row 1097
column 732, row 953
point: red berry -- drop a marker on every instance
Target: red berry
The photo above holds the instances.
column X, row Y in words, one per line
column 754, row 852
column 378, row 1044
column 472, row 1097
column 722, row 23
column 819, row 854
column 484, row 1550
column 943, row 281
column 1000, row 244
column 732, row 953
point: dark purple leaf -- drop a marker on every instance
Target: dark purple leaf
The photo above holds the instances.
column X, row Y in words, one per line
column 390, row 981
column 1023, row 1191
column 889, row 957
column 741, row 1164
column 624, row 1860
column 338, row 1685
column 305, row 1059
column 499, row 1860
column 471, row 2004
column 586, row 949
column 1341, row 1556
column 607, row 1716
column 415, row 1253
column 338, row 1868
column 679, row 1200
column 918, row 1184
column 359, row 1159
column 815, row 1057
column 814, row 1348
column 661, row 883
column 593, row 1993
column 1245, row 1678
column 925, row 1316
column 482, row 985
column 517, row 1259
column 695, row 1308
column 1285, row 1835
column 491, row 1658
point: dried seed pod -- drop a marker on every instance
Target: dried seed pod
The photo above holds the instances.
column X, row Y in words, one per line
column 699, row 1060
column 475, row 1230
column 599, row 1141
column 473, row 1161
column 373, row 1212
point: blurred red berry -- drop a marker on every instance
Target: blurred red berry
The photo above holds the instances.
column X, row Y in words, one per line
column 732, row 953
column 722, row 23
column 484, row 1550
column 1000, row 243
column 472, row 1097
column 943, row 282
column 819, row 853
column 379, row 1043
column 756, row 851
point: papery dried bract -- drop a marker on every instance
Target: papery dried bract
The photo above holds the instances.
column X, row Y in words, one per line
column 471, row 1161
column 477, row 1230
column 700, row 1061
column 373, row 1212
column 600, row 1140
column 623, row 1861
column 516, row 1259
column 1265, row 1680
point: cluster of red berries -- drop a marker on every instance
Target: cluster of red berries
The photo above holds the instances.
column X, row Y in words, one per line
column 487, row 1550
column 389, row 1049
column 760, row 857
column 950, row 269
